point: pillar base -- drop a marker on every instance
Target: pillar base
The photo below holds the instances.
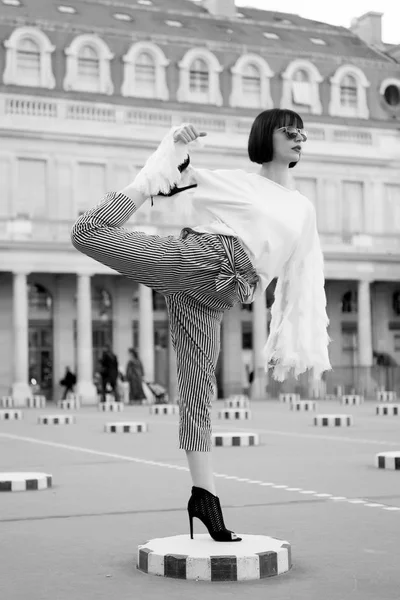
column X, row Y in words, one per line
column 21, row 392
column 86, row 393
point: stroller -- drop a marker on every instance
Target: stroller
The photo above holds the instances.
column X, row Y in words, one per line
column 158, row 393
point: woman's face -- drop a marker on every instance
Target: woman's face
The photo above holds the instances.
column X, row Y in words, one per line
column 286, row 150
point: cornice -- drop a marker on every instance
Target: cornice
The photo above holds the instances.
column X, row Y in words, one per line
column 186, row 41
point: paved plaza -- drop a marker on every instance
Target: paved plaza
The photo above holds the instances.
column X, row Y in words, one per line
column 315, row 487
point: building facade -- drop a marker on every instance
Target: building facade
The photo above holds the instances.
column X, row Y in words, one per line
column 87, row 91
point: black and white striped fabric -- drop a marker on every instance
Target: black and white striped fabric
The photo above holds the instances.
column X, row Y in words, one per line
column 392, row 410
column 56, row 420
column 7, row 402
column 164, row 409
column 200, row 275
column 388, row 460
column 256, row 557
column 131, row 427
column 383, row 396
column 10, row 414
column 333, row 420
column 303, row 405
column 24, row 482
column 37, row 401
column 352, row 400
column 289, row 397
column 234, row 413
column 238, row 438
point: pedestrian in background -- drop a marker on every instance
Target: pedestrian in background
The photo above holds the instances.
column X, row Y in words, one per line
column 134, row 376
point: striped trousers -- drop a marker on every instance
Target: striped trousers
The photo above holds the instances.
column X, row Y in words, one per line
column 201, row 276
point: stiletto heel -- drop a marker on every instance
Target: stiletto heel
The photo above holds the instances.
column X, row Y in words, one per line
column 191, row 526
column 206, row 507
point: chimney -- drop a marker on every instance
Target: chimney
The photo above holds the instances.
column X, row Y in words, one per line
column 221, row 8
column 368, row 27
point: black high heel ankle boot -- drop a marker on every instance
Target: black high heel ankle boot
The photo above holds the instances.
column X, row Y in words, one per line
column 206, row 507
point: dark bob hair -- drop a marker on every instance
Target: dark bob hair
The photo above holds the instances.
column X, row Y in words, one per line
column 260, row 146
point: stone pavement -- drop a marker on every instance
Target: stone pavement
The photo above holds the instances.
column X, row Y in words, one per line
column 316, row 487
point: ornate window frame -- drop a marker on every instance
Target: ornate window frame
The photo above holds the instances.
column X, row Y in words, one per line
column 316, row 78
column 71, row 82
column 214, row 95
column 237, row 97
column 160, row 62
column 361, row 111
column 10, row 76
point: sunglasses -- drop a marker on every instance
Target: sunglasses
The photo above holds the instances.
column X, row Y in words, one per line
column 292, row 133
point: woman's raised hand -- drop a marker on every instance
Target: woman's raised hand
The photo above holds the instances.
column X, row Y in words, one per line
column 187, row 133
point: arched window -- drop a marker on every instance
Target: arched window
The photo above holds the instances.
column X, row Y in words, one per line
column 300, row 92
column 88, row 65
column 88, row 71
column 28, row 62
column 251, row 83
column 199, row 77
column 349, row 302
column 348, row 91
column 145, row 72
column 28, row 59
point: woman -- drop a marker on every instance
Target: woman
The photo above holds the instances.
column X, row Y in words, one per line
column 254, row 228
column 134, row 376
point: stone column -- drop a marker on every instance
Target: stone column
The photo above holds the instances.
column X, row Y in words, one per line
column 258, row 388
column 232, row 361
column 364, row 324
column 122, row 320
column 146, row 331
column 365, row 383
column 85, row 387
column 64, row 352
column 20, row 387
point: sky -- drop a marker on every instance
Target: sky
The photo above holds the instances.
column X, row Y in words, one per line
column 338, row 12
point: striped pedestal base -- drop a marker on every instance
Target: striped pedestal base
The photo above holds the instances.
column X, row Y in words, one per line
column 241, row 414
column 110, row 406
column 289, row 397
column 352, row 400
column 303, row 405
column 23, row 482
column 56, row 420
column 202, row 559
column 386, row 396
column 164, row 409
column 36, row 402
column 125, row 427
column 391, row 410
column 237, row 402
column 235, row 439
column 10, row 414
column 333, row 420
column 7, row 402
column 69, row 404
column 388, row 460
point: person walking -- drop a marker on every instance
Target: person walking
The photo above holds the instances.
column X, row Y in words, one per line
column 253, row 227
column 69, row 381
column 109, row 373
column 134, row 376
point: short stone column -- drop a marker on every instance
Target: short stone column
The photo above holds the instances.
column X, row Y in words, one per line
column 146, row 331
column 21, row 390
column 258, row 387
column 85, row 388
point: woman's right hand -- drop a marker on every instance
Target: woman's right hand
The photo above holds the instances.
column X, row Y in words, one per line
column 187, row 133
